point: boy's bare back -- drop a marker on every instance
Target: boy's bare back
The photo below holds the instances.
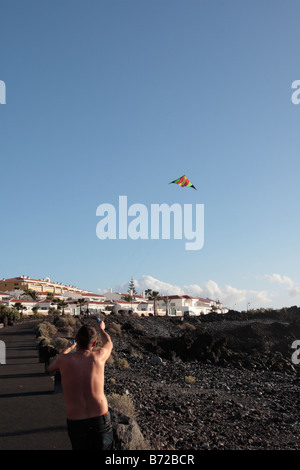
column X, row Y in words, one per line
column 82, row 376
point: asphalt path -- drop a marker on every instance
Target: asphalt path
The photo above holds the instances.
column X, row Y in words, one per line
column 32, row 413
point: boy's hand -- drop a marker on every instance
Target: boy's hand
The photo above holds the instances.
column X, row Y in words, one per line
column 101, row 323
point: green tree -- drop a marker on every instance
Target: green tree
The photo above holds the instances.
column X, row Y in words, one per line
column 18, row 306
column 11, row 314
column 128, row 298
column 35, row 309
column 131, row 288
column 131, row 292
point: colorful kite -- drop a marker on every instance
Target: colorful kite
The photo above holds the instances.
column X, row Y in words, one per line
column 183, row 181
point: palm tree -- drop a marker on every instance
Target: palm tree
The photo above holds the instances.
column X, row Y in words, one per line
column 29, row 293
column 55, row 302
column 166, row 302
column 153, row 295
column 62, row 304
column 81, row 303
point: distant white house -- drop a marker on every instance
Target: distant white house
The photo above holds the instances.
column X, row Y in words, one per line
column 124, row 305
column 135, row 306
column 180, row 305
column 28, row 304
column 146, row 307
column 90, row 307
column 3, row 295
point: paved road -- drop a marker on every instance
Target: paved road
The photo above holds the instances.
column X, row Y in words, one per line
column 32, row 416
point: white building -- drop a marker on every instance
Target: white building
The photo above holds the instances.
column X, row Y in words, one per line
column 28, row 304
column 146, row 307
column 4, row 295
column 181, row 305
column 90, row 307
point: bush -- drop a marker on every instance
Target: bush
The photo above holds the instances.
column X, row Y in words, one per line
column 122, row 403
column 115, row 329
column 186, row 327
column 133, row 352
column 189, row 379
column 64, row 322
column 45, row 329
column 37, row 316
column 121, row 364
column 59, row 343
column 67, row 325
column 10, row 313
column 52, row 311
column 42, row 340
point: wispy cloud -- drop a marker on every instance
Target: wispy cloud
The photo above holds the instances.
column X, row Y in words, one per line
column 293, row 289
column 277, row 278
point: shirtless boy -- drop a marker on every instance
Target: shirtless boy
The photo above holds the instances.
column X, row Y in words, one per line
column 82, row 376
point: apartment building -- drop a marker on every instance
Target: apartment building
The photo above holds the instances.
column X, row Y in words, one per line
column 41, row 286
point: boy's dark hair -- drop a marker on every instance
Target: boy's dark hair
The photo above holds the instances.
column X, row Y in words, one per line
column 86, row 336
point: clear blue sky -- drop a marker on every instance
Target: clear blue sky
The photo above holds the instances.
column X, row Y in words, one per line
column 120, row 97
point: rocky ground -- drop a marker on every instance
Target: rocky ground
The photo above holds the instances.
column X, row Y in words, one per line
column 219, row 382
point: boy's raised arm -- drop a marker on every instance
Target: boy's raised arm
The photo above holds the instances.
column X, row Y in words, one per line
column 107, row 344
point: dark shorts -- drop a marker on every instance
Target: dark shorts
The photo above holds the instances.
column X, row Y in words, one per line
column 91, row 434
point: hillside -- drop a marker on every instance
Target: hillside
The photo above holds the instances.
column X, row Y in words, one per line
column 217, row 382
